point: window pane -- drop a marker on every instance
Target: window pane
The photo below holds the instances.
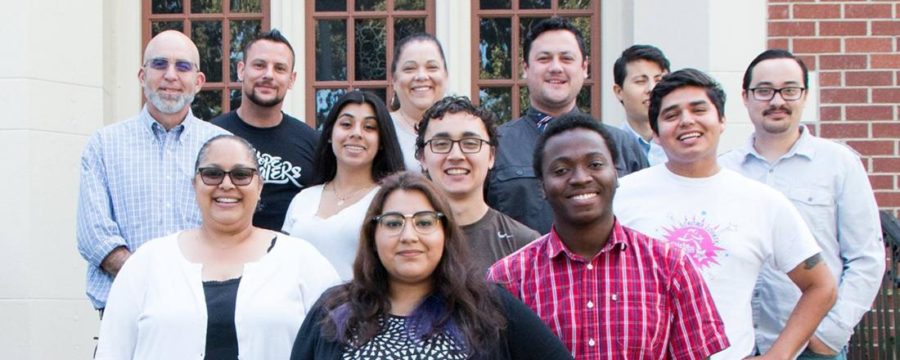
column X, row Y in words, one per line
column 242, row 31
column 584, row 99
column 246, row 6
column 498, row 100
column 235, row 100
column 166, row 7
column 534, row 4
column 584, row 26
column 524, row 102
column 331, row 5
column 494, row 4
column 371, row 56
column 325, row 99
column 574, row 4
column 371, row 5
column 207, row 104
column 525, row 25
column 208, row 37
column 404, row 27
column 409, row 5
column 331, row 50
column 206, row 6
column 494, row 47
column 159, row 26
column 380, row 92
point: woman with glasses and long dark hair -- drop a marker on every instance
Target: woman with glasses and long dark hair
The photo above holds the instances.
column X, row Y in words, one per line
column 414, row 295
column 225, row 290
column 358, row 147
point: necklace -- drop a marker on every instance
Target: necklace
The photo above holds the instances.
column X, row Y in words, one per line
column 409, row 124
column 351, row 195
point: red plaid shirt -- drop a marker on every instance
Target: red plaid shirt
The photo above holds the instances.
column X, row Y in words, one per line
column 638, row 298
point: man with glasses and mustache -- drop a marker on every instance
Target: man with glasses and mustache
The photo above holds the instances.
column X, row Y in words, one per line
column 136, row 174
column 285, row 145
column 828, row 184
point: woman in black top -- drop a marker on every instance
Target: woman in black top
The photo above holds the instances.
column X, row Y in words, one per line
column 414, row 295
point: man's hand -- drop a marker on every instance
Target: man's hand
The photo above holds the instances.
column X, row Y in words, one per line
column 819, row 347
column 114, row 261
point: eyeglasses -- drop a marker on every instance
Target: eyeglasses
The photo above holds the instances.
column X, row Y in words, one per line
column 425, row 222
column 214, row 176
column 789, row 93
column 466, row 145
column 162, row 64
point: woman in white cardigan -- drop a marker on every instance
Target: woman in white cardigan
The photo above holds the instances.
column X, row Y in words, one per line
column 227, row 290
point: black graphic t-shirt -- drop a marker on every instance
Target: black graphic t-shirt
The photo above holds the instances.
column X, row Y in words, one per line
column 286, row 160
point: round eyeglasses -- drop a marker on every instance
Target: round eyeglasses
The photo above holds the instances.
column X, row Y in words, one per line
column 214, row 176
column 789, row 93
column 466, row 145
column 424, row 222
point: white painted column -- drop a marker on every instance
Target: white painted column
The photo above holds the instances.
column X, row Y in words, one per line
column 68, row 68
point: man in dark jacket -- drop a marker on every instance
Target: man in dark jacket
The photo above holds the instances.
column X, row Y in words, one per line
column 555, row 69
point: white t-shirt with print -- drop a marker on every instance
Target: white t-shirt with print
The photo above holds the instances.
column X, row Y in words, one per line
column 730, row 225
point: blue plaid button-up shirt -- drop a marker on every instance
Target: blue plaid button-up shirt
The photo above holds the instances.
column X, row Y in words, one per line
column 136, row 186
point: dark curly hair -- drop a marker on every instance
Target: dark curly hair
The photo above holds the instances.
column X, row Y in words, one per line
column 461, row 304
column 455, row 105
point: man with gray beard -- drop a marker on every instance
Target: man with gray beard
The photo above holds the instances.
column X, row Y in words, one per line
column 136, row 174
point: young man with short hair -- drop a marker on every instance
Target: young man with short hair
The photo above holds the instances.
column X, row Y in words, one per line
column 286, row 146
column 555, row 69
column 729, row 224
column 635, row 73
column 606, row 290
column 456, row 145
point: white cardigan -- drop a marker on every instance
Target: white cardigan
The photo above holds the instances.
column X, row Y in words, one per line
column 157, row 308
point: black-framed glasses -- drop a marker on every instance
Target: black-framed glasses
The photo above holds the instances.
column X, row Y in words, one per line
column 214, row 176
column 424, row 222
column 789, row 93
column 466, row 145
column 162, row 64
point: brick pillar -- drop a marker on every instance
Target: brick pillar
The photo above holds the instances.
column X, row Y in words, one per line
column 855, row 48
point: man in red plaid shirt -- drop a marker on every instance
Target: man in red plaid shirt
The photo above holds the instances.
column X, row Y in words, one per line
column 607, row 291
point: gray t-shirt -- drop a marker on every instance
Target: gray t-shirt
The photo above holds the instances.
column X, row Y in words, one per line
column 494, row 236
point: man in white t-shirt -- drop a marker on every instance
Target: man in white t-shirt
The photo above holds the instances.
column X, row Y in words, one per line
column 729, row 224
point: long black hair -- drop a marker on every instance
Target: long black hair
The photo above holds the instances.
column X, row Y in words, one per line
column 388, row 159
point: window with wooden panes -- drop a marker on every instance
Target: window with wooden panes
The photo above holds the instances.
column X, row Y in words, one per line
column 220, row 29
column 350, row 44
column 498, row 29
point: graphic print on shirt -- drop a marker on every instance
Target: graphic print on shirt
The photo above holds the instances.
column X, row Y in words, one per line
column 275, row 170
column 697, row 238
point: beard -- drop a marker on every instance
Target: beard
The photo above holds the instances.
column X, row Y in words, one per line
column 779, row 126
column 167, row 104
column 251, row 95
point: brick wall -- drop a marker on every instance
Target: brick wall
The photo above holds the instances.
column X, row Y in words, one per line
column 855, row 48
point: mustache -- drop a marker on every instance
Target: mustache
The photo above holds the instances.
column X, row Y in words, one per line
column 772, row 109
